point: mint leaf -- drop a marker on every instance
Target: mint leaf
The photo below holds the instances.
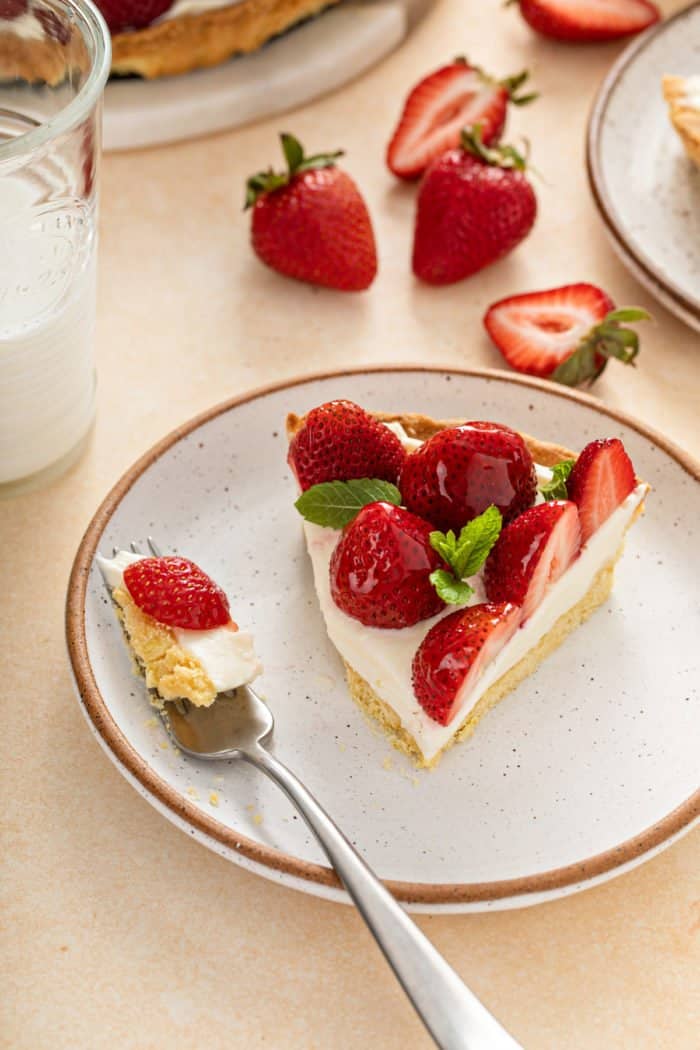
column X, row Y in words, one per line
column 556, row 488
column 335, row 504
column 465, row 555
column 452, row 591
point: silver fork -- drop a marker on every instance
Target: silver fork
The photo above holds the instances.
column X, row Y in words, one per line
column 238, row 725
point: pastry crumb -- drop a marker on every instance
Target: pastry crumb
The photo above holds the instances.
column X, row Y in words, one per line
column 388, row 763
column 151, row 723
column 257, row 819
column 213, row 798
column 192, row 792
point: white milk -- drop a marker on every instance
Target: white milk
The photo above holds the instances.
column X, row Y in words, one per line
column 47, row 312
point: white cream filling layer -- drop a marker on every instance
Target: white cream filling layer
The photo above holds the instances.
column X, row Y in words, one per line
column 692, row 91
column 226, row 655
column 383, row 657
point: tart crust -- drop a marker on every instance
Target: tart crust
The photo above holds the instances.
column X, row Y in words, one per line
column 206, row 38
column 685, row 118
column 547, row 454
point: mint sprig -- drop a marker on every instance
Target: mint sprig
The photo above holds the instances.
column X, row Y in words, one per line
column 556, row 488
column 464, row 554
column 335, row 504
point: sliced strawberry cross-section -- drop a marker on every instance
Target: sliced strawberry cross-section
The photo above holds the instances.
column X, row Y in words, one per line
column 454, row 653
column 440, row 105
column 339, row 441
column 532, row 553
column 380, row 569
column 177, row 593
column 602, row 477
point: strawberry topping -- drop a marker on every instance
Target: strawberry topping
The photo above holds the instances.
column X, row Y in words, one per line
column 452, row 655
column 602, row 477
column 460, row 471
column 576, row 21
column 131, row 14
column 532, row 553
column 380, row 569
column 175, row 592
column 340, row 441
column 440, row 105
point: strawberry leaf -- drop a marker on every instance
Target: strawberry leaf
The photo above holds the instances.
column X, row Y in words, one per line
column 452, row 591
column 605, row 340
column 556, row 488
column 499, row 156
column 268, row 181
column 335, row 504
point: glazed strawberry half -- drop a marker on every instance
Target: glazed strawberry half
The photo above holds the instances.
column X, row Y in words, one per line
column 132, row 14
column 311, row 222
column 339, row 441
column 566, row 334
column 454, row 652
column 601, row 478
column 453, row 97
column 475, row 205
column 380, row 569
column 460, row 471
column 177, row 593
column 532, row 552
column 588, row 21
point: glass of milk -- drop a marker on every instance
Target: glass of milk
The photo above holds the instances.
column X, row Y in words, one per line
column 54, row 62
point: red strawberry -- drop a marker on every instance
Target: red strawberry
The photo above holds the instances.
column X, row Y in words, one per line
column 532, row 553
column 380, row 569
column 454, row 652
column 460, row 471
column 474, row 206
column 311, row 222
column 601, row 478
column 340, row 441
column 566, row 334
column 11, row 9
column 131, row 14
column 589, row 20
column 440, row 105
column 175, row 592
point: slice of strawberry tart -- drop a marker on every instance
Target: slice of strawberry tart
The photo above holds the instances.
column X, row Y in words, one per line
column 450, row 558
column 178, row 626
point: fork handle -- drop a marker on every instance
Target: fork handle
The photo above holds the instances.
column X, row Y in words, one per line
column 449, row 1010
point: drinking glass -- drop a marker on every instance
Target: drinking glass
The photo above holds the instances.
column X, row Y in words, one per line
column 54, row 61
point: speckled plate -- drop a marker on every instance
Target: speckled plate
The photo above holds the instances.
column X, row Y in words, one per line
column 589, row 767
column 646, row 188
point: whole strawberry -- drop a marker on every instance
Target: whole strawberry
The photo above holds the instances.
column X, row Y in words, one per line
column 311, row 222
column 131, row 14
column 176, row 592
column 460, row 471
column 475, row 205
column 340, row 441
column 380, row 570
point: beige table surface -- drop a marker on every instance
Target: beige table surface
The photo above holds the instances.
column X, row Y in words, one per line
column 119, row 932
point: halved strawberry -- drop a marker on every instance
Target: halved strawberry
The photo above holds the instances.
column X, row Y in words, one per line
column 131, row 14
column 177, row 593
column 601, row 478
column 340, row 441
column 440, row 105
column 532, row 553
column 588, row 20
column 454, row 652
column 566, row 334
column 380, row 569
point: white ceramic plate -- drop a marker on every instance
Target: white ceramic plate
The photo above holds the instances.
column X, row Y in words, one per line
column 588, row 768
column 645, row 186
column 308, row 61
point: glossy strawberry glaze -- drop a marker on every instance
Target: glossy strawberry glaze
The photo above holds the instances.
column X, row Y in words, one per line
column 461, row 471
column 380, row 569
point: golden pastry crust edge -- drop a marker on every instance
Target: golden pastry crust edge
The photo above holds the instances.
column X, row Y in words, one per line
column 685, row 118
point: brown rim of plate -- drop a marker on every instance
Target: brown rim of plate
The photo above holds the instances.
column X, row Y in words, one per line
column 412, row 892
column 596, row 180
